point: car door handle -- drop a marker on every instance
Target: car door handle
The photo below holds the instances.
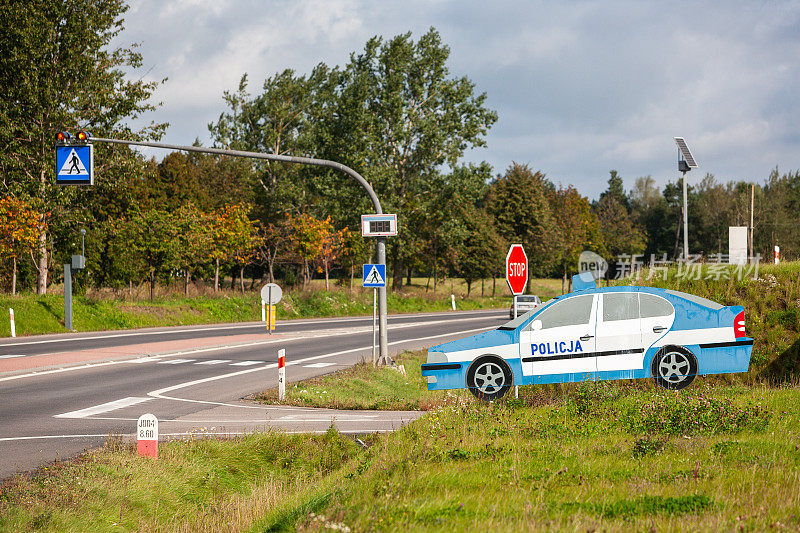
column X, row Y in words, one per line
column 659, row 329
column 587, row 337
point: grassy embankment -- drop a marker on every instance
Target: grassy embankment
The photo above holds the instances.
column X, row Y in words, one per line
column 101, row 311
column 594, row 456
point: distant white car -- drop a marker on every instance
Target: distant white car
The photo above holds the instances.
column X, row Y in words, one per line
column 525, row 303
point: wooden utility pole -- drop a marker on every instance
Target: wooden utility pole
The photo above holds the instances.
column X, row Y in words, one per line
column 752, row 196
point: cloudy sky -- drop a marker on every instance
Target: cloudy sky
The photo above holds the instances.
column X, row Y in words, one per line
column 580, row 87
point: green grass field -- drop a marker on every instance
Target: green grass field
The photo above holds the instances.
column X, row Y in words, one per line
column 590, row 457
column 103, row 311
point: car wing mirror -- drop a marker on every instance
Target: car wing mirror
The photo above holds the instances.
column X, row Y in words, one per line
column 536, row 325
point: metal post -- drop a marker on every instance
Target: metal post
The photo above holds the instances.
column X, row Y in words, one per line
column 269, row 311
column 381, row 244
column 382, row 308
column 752, row 199
column 515, row 306
column 83, row 242
column 68, row 296
column 374, row 327
column 685, row 221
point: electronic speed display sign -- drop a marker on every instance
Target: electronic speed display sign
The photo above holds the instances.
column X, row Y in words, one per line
column 378, row 225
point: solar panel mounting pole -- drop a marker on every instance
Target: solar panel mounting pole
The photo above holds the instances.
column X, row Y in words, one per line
column 686, row 163
column 381, row 241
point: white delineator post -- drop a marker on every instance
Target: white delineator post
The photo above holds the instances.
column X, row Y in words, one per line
column 281, row 374
column 263, row 312
column 453, row 301
column 777, row 260
column 13, row 325
column 147, row 436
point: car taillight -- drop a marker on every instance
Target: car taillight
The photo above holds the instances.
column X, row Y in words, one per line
column 738, row 325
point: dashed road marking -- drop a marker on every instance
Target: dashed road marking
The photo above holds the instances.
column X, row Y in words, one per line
column 213, row 362
column 175, row 361
column 248, row 363
column 103, row 408
column 319, row 365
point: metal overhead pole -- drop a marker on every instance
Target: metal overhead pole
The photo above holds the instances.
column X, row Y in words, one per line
column 381, row 241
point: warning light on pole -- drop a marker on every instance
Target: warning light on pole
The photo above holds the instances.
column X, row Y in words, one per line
column 63, row 136
column 82, row 136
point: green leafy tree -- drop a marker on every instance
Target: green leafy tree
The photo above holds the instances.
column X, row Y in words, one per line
column 578, row 228
column 481, row 252
column 519, row 203
column 57, row 72
column 19, row 231
column 398, row 117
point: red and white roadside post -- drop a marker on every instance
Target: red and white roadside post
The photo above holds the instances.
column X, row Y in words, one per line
column 147, row 436
column 13, row 324
column 281, row 374
column 777, row 256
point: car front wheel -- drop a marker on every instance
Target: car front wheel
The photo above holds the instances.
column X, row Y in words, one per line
column 674, row 367
column 489, row 378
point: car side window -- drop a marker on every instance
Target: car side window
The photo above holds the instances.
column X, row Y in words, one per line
column 573, row 311
column 620, row 306
column 653, row 306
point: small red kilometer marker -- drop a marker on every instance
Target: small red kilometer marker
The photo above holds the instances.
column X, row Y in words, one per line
column 147, row 436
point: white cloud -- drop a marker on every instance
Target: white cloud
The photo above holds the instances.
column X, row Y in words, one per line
column 580, row 87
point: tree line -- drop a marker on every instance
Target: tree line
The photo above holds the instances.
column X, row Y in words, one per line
column 394, row 112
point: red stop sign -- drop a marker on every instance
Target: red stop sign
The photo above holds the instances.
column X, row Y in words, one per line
column 516, row 269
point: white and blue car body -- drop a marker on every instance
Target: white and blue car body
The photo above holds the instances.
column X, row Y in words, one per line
column 598, row 334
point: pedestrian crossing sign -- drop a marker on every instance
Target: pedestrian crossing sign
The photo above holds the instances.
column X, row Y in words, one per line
column 74, row 164
column 374, row 275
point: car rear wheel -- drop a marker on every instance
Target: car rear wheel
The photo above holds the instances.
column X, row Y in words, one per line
column 489, row 378
column 674, row 367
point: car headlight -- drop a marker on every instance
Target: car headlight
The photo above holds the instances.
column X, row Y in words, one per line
column 437, row 357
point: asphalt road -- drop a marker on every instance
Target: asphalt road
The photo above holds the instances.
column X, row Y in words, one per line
column 61, row 394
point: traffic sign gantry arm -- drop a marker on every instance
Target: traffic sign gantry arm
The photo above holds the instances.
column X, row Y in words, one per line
column 381, row 241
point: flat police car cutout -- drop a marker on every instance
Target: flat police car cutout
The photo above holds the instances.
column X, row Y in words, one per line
column 598, row 334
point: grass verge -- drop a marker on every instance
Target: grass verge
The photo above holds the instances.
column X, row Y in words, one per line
column 45, row 314
column 366, row 387
column 596, row 456
column 194, row 485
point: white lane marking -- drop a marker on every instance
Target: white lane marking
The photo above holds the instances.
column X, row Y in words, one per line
column 202, row 433
column 213, row 362
column 143, row 360
column 187, row 352
column 161, row 392
column 175, row 361
column 247, row 363
column 103, row 408
column 238, row 326
column 319, row 365
column 10, row 356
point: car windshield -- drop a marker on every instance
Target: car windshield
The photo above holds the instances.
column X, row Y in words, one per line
column 517, row 322
column 526, row 299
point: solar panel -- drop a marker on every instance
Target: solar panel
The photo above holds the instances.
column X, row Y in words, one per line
column 687, row 155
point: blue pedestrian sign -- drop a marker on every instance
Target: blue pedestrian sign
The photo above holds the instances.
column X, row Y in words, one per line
column 74, row 164
column 374, row 275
